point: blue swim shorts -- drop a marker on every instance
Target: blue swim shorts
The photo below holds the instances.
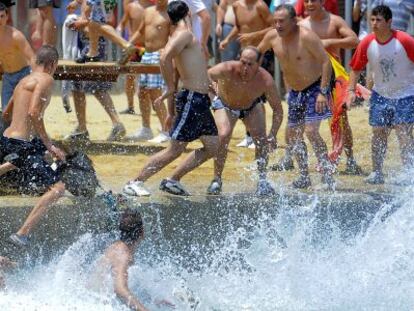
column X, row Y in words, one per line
column 301, row 106
column 388, row 112
column 10, row 80
column 194, row 117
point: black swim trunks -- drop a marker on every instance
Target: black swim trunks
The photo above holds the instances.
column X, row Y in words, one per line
column 28, row 157
column 194, row 118
column 218, row 103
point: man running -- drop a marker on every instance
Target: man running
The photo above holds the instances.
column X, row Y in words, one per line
column 25, row 141
column 190, row 111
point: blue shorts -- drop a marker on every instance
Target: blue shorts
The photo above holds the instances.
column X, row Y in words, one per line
column 28, row 157
column 301, row 106
column 10, row 80
column 194, row 117
column 149, row 80
column 388, row 112
column 241, row 114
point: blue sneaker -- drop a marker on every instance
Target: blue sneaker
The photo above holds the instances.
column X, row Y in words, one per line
column 19, row 240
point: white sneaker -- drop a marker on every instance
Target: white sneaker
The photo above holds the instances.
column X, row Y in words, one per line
column 136, row 188
column 143, row 134
column 245, row 142
column 251, row 146
column 162, row 137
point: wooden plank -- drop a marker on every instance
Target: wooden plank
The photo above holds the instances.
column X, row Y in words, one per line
column 99, row 71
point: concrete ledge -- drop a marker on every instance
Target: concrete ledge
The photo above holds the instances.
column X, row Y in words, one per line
column 181, row 225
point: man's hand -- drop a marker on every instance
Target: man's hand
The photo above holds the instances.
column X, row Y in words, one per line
column 219, row 30
column 169, row 121
column 223, row 44
column 245, row 38
column 350, row 99
column 57, row 153
column 321, row 103
column 72, row 6
column 167, row 93
column 79, row 24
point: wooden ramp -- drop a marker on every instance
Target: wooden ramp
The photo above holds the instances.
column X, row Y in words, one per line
column 99, row 71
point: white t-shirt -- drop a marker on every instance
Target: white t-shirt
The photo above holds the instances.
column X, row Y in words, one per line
column 195, row 7
column 392, row 63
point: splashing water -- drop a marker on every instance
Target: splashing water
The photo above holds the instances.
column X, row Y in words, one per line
column 292, row 261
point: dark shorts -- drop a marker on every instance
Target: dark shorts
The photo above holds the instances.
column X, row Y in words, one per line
column 386, row 112
column 241, row 114
column 28, row 157
column 194, row 117
column 10, row 81
column 35, row 4
column 302, row 104
column 268, row 62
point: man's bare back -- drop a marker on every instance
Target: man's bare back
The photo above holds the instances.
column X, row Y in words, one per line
column 16, row 52
column 191, row 63
column 38, row 85
column 299, row 64
column 239, row 94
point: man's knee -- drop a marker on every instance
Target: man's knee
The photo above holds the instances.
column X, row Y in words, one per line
column 58, row 188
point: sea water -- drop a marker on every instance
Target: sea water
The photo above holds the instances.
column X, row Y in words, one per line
column 292, row 260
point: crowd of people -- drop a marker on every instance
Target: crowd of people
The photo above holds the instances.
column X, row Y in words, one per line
column 194, row 101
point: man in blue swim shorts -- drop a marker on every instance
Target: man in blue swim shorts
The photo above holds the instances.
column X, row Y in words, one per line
column 307, row 71
column 15, row 58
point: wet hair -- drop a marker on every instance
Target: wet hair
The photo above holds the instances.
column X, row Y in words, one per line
column 254, row 49
column 289, row 8
column 3, row 7
column 131, row 226
column 177, row 10
column 47, row 55
column 382, row 10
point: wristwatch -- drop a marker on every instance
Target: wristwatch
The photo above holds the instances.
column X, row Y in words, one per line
column 324, row 90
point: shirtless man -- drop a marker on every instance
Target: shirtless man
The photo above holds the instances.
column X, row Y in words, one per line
column 307, row 70
column 335, row 35
column 153, row 33
column 240, row 84
column 189, row 112
column 24, row 142
column 119, row 256
column 253, row 19
column 251, row 16
column 46, row 29
column 131, row 22
column 16, row 56
column 225, row 22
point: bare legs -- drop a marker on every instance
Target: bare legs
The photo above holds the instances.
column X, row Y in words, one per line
column 41, row 208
